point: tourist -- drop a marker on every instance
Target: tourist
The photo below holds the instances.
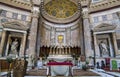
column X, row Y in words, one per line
column 39, row 63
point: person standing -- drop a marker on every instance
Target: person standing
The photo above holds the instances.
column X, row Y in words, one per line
column 40, row 63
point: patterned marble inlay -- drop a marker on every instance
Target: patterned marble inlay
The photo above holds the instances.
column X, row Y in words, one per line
column 61, row 8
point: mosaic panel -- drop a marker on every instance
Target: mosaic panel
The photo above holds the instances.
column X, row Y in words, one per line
column 61, row 8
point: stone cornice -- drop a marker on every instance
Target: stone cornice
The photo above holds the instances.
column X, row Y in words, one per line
column 19, row 4
column 15, row 25
column 95, row 7
column 70, row 19
column 85, row 15
column 36, row 2
column 104, row 27
column 35, row 14
column 74, row 1
column 72, row 25
column 85, row 3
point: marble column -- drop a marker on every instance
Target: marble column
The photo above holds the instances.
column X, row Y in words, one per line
column 33, row 34
column 87, row 36
column 22, row 50
column 115, row 44
column 81, row 38
column 2, row 42
column 81, row 31
column 7, row 47
column 97, row 53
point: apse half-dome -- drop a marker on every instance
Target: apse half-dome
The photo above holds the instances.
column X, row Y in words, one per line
column 61, row 8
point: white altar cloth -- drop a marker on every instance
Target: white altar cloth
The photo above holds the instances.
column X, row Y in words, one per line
column 59, row 70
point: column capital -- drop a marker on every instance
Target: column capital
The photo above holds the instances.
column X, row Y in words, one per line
column 85, row 15
column 35, row 12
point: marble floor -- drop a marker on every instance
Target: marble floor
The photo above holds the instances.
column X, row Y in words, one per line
column 62, row 76
column 101, row 72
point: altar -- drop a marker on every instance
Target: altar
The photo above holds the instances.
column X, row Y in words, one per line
column 60, row 68
column 60, row 58
column 60, row 65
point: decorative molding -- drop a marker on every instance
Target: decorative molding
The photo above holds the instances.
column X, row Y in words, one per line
column 46, row 26
column 104, row 5
column 103, row 32
column 14, row 25
column 16, row 3
column 60, row 29
column 14, row 30
column 57, row 25
column 93, row 7
column 104, row 27
column 52, row 19
column 74, row 27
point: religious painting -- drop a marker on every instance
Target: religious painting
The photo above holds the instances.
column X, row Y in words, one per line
column 118, row 44
column 14, row 46
column 60, row 38
column 104, row 47
column 114, row 65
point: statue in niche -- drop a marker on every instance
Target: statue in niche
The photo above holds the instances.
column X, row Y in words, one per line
column 14, row 47
column 103, row 49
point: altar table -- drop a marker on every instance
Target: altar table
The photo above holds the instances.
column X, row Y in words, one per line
column 60, row 68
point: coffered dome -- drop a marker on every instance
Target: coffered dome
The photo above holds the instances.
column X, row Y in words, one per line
column 61, row 8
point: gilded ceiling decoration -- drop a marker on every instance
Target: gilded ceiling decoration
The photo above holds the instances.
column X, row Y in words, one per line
column 61, row 8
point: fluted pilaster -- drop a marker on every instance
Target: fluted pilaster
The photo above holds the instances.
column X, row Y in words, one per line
column 33, row 32
column 87, row 35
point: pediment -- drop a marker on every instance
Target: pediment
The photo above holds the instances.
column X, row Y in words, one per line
column 15, row 25
column 104, row 27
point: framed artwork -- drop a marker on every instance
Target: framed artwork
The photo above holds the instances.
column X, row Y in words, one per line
column 104, row 49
